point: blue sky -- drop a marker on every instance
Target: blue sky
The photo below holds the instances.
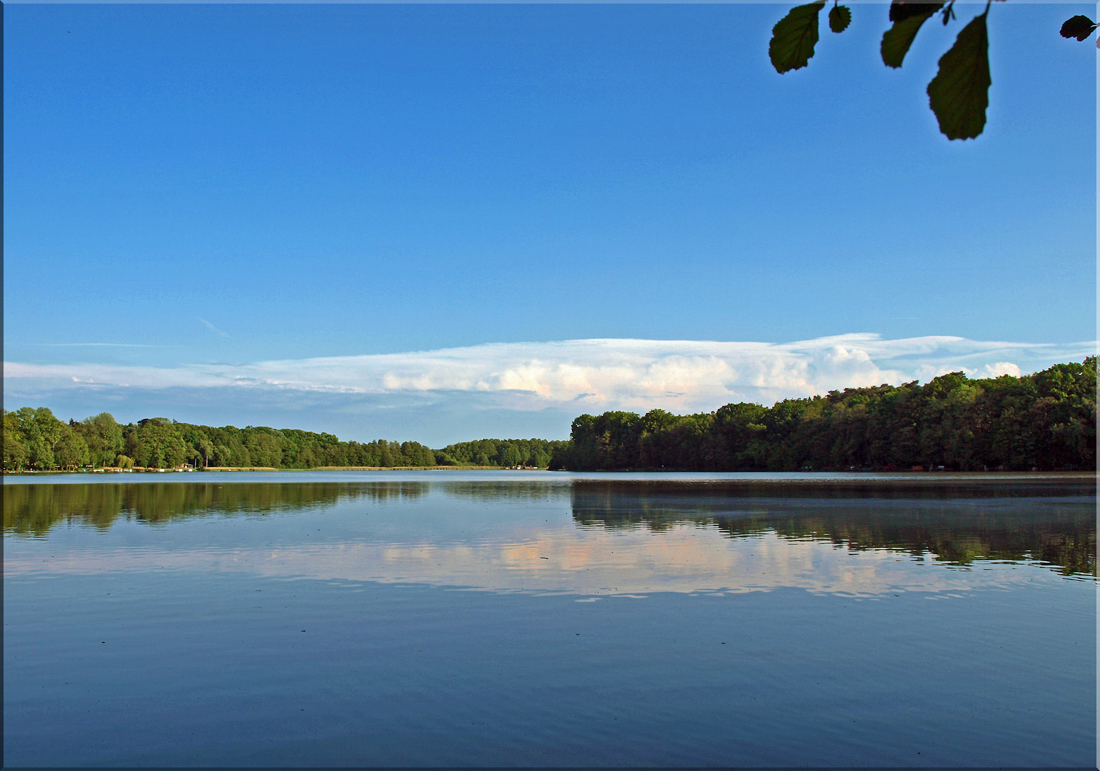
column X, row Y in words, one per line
column 276, row 214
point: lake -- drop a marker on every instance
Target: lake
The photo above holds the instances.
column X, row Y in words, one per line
column 550, row 619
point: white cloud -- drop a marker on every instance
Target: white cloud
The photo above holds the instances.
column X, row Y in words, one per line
column 678, row 375
column 996, row 369
column 211, row 327
column 593, row 562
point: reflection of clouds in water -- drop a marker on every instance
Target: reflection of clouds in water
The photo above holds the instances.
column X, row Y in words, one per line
column 685, row 558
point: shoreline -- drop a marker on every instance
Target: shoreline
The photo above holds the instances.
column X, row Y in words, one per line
column 824, row 477
column 252, row 469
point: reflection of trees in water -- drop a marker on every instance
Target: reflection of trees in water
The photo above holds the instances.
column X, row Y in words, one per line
column 1060, row 530
column 34, row 509
column 957, row 522
column 519, row 490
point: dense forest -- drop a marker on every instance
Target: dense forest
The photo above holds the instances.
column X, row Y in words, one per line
column 36, row 439
column 1043, row 421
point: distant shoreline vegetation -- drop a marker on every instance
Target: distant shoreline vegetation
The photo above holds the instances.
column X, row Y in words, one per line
column 1045, row 421
column 34, row 439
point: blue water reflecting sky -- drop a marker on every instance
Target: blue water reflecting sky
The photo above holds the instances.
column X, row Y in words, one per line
column 608, row 624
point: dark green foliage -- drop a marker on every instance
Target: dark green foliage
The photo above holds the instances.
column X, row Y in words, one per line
column 1079, row 27
column 154, row 443
column 610, row 440
column 70, row 451
column 959, row 94
column 897, row 40
column 103, row 435
column 1044, row 421
column 794, row 37
column 839, row 18
column 503, row 453
column 1063, row 381
column 35, row 439
column 901, row 10
column 16, row 453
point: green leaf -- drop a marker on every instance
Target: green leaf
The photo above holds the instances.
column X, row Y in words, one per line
column 897, row 39
column 839, row 18
column 1079, row 27
column 794, row 37
column 900, row 10
column 959, row 94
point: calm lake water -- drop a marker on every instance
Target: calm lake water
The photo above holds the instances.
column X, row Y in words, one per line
column 539, row 619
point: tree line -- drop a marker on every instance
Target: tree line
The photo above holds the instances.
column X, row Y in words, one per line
column 506, row 453
column 36, row 439
column 1044, row 421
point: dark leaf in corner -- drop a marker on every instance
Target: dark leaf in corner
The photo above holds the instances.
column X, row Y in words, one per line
column 900, row 10
column 1079, row 27
column 839, row 18
column 959, row 94
column 794, row 37
column 897, row 39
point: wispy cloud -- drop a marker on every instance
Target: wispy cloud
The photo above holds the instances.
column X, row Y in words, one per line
column 212, row 328
column 683, row 375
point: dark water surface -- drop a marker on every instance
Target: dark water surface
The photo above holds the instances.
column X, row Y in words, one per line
column 535, row 619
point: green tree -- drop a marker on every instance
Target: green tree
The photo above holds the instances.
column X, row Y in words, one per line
column 741, row 427
column 103, row 436
column 15, row 446
column 1046, row 421
column 155, row 443
column 264, row 448
column 510, row 457
column 70, row 451
column 41, row 431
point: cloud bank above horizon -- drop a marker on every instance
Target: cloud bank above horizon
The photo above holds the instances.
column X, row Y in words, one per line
column 578, row 375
